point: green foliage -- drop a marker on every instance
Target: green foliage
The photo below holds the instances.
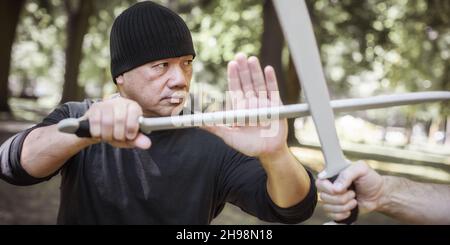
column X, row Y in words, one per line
column 378, row 47
column 95, row 73
column 37, row 58
column 220, row 30
column 368, row 47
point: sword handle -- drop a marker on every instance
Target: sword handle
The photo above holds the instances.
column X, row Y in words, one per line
column 354, row 213
column 83, row 130
column 75, row 126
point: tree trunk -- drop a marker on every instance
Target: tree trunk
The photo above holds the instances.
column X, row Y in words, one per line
column 434, row 128
column 410, row 122
column 272, row 43
column 447, row 131
column 78, row 12
column 271, row 54
column 293, row 89
column 9, row 18
column 427, row 128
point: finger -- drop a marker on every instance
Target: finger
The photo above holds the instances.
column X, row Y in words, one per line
column 348, row 176
column 120, row 118
column 142, row 141
column 95, row 120
column 233, row 76
column 244, row 75
column 330, row 208
column 338, row 216
column 262, row 100
column 272, row 85
column 324, row 185
column 107, row 123
column 337, row 199
column 236, row 96
column 132, row 123
column 229, row 101
column 257, row 75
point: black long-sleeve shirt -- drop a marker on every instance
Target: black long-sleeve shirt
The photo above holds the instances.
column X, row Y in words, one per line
column 186, row 177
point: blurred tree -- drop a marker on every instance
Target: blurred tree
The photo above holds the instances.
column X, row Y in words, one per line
column 220, row 29
column 367, row 47
column 9, row 18
column 378, row 47
column 78, row 12
column 271, row 53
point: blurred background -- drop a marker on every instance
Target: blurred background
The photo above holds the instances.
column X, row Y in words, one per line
column 54, row 51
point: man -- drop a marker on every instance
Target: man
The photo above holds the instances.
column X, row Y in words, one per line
column 400, row 198
column 185, row 176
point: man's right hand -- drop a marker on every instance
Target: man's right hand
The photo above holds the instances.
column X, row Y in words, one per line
column 116, row 121
column 339, row 201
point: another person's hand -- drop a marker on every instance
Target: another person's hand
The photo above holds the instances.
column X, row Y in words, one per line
column 116, row 121
column 338, row 201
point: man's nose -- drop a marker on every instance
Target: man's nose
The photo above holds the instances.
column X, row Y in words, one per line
column 177, row 78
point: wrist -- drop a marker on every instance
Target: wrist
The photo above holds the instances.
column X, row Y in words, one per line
column 90, row 141
column 384, row 197
column 276, row 154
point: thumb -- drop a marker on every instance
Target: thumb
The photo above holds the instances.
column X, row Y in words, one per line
column 347, row 177
column 344, row 180
column 142, row 141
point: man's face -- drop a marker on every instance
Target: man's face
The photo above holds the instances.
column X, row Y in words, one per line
column 159, row 87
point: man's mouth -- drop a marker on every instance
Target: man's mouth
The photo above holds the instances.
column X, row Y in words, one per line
column 176, row 98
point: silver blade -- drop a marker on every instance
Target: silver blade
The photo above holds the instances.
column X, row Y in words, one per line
column 297, row 27
column 71, row 125
column 288, row 111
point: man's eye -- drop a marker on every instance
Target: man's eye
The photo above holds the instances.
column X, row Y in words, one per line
column 161, row 65
column 188, row 63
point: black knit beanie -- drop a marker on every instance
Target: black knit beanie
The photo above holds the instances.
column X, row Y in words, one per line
column 146, row 32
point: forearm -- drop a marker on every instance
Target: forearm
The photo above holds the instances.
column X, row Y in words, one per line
column 415, row 202
column 45, row 150
column 288, row 182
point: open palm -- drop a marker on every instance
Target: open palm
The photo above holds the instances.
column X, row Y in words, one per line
column 249, row 88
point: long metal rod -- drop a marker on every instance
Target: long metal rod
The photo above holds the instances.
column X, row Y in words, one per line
column 289, row 111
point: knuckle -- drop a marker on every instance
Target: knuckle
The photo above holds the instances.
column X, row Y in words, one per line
column 347, row 206
column 119, row 137
column 120, row 120
column 131, row 132
column 319, row 184
column 94, row 133
column 345, row 175
column 342, row 200
column 134, row 108
column 322, row 197
column 94, row 120
column 327, row 208
column 351, row 194
column 107, row 123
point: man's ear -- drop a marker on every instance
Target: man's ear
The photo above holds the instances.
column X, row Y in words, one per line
column 120, row 80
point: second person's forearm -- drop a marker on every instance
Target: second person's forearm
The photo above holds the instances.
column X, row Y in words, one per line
column 414, row 202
